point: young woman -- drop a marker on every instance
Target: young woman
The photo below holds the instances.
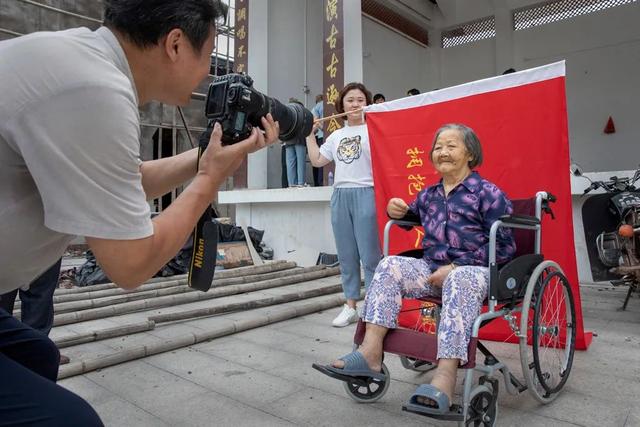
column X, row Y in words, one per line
column 353, row 211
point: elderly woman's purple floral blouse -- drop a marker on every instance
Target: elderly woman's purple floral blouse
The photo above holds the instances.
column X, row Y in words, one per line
column 456, row 228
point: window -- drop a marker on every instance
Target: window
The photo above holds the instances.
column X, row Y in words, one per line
column 477, row 30
column 559, row 10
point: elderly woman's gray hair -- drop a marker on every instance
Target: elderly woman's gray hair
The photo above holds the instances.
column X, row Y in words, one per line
column 470, row 139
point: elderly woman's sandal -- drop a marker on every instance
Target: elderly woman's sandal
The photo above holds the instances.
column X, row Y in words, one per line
column 432, row 393
column 355, row 365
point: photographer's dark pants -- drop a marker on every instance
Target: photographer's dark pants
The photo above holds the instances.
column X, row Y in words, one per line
column 37, row 301
column 29, row 395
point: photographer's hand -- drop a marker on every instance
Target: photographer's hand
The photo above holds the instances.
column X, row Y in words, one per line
column 218, row 161
column 266, row 137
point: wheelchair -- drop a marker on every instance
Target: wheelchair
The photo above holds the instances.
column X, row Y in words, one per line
column 534, row 297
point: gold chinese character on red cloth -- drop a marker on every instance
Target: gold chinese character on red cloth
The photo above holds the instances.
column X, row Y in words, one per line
column 416, row 184
column 415, row 159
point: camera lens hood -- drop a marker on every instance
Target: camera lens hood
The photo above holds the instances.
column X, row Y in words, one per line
column 302, row 124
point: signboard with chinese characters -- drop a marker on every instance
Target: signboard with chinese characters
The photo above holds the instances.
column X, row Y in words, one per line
column 242, row 36
column 333, row 61
column 241, row 59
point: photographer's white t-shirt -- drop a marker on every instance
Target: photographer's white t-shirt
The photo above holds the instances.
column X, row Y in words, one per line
column 349, row 148
column 69, row 149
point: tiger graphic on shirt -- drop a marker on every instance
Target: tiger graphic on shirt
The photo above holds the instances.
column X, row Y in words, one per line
column 349, row 149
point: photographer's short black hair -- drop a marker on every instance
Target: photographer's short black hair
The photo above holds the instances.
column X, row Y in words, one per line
column 378, row 96
column 412, row 92
column 353, row 85
column 145, row 22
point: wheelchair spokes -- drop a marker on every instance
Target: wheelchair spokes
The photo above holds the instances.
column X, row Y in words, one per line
column 553, row 333
column 547, row 343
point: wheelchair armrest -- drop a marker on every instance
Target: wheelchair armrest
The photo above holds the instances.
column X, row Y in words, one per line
column 508, row 220
column 407, row 222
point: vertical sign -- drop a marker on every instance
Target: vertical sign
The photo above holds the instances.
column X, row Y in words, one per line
column 333, row 61
column 332, row 65
column 240, row 65
column 242, row 36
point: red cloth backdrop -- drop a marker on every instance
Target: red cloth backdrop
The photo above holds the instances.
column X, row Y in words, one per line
column 521, row 120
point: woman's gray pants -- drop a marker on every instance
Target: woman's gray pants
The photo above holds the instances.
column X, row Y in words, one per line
column 353, row 217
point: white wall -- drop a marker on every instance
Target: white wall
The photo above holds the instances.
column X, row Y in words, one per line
column 602, row 51
column 289, row 70
column 392, row 63
column 468, row 62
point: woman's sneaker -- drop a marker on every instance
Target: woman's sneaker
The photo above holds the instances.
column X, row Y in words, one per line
column 347, row 316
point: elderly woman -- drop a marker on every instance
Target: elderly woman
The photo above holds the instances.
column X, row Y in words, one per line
column 456, row 214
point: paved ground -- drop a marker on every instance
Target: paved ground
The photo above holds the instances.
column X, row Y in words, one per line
column 264, row 377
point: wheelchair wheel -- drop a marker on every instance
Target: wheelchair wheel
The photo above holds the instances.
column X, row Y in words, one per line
column 370, row 393
column 547, row 332
column 483, row 407
column 416, row 364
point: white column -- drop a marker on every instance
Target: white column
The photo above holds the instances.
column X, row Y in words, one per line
column 352, row 19
column 259, row 71
column 435, row 58
column 504, row 37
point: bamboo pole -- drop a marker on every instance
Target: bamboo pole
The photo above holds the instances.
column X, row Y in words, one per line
column 255, row 321
column 102, row 334
column 217, row 281
column 86, row 304
column 235, row 272
column 152, row 321
column 171, row 300
column 245, row 305
column 335, row 116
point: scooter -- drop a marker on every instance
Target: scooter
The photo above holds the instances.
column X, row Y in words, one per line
column 618, row 246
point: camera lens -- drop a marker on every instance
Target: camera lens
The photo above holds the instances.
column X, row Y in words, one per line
column 295, row 120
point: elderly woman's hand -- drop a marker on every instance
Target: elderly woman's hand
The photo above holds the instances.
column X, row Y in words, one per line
column 397, row 208
column 438, row 276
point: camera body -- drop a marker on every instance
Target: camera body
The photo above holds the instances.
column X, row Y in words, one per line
column 238, row 107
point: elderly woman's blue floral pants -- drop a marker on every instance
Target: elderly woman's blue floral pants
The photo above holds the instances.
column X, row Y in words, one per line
column 463, row 293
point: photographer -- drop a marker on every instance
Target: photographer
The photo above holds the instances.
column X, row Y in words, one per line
column 70, row 165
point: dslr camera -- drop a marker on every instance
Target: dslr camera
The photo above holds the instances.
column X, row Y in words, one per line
column 238, row 107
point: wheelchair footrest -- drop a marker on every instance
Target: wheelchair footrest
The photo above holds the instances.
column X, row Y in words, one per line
column 361, row 381
column 455, row 412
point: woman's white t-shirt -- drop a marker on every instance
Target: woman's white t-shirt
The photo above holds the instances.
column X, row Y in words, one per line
column 349, row 148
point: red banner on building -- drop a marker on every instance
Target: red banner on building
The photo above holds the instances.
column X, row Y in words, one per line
column 521, row 120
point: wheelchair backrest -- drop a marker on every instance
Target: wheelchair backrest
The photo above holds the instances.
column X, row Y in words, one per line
column 525, row 239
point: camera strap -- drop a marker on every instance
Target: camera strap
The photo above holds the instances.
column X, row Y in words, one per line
column 205, row 244
column 204, row 252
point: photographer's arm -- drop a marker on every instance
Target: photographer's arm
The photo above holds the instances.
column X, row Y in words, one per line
column 317, row 160
column 163, row 175
column 129, row 263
